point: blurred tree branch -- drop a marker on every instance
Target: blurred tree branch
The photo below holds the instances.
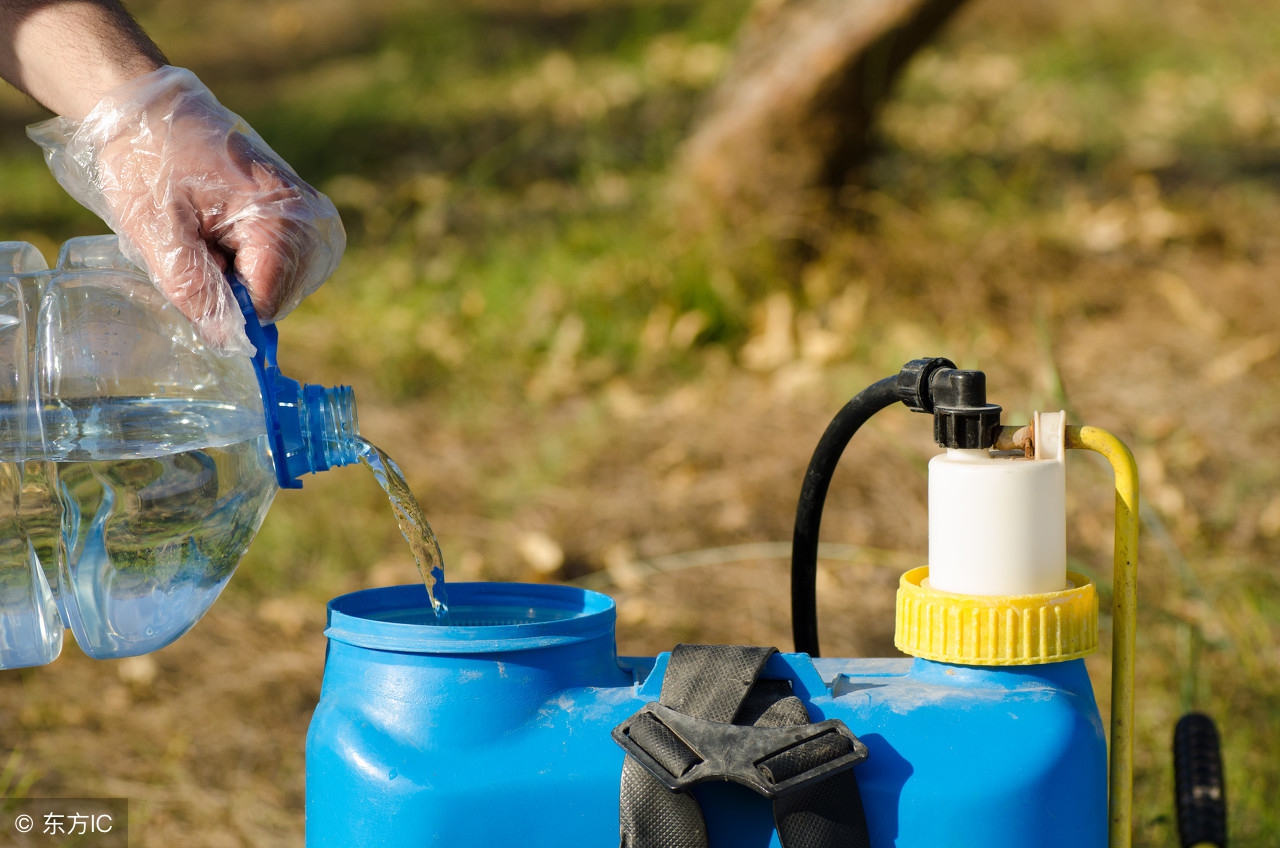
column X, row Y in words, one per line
column 794, row 110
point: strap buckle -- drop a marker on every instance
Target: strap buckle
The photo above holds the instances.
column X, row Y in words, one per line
column 769, row 760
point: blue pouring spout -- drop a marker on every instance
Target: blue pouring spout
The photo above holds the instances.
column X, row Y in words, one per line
column 310, row 427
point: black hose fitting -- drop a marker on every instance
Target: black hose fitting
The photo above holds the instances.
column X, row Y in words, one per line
column 915, row 387
column 956, row 399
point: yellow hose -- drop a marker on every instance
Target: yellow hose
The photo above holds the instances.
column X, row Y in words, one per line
column 1124, row 618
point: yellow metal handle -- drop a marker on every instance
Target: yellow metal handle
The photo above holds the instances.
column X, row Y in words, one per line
column 1124, row 622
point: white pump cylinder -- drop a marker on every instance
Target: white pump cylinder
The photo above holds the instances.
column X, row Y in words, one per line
column 997, row 525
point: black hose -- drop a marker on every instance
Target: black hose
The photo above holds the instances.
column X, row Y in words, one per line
column 804, row 543
column 1200, row 793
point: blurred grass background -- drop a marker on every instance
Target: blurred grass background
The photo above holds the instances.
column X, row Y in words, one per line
column 1079, row 198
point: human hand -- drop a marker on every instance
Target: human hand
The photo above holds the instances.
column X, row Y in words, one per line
column 189, row 187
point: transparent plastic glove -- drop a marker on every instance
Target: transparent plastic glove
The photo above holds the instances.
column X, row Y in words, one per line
column 187, row 184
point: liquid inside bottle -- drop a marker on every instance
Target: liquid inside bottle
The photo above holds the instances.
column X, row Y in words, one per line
column 129, row 526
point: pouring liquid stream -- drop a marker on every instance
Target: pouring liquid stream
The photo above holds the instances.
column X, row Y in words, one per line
column 413, row 525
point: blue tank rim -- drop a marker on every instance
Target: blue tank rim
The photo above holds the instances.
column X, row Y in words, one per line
column 351, row 620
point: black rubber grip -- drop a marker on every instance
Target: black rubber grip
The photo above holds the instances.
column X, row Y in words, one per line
column 1199, row 791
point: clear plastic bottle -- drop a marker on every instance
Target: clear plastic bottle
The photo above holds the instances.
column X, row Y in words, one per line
column 136, row 465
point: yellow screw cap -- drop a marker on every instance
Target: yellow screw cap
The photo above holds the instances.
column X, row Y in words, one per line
column 998, row 629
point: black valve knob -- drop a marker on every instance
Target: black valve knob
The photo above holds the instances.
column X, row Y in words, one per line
column 962, row 418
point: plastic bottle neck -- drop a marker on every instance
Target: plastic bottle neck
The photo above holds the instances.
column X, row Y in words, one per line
column 319, row 426
column 335, row 431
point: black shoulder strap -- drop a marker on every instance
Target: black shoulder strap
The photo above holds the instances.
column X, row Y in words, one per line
column 715, row 720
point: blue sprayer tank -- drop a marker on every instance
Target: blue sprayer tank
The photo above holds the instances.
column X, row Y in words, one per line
column 498, row 728
column 496, row 731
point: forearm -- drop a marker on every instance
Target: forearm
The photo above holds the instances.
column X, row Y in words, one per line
column 67, row 53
